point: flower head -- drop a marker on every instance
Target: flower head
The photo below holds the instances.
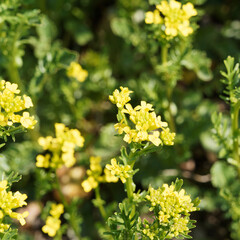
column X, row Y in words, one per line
column 119, row 170
column 61, row 148
column 96, row 175
column 11, row 105
column 53, row 222
column 75, row 70
column 175, row 17
column 8, row 202
column 147, row 125
column 120, row 98
column 173, row 209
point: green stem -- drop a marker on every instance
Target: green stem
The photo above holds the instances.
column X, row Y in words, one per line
column 164, row 56
column 234, row 117
column 100, row 205
column 11, row 67
column 67, row 207
column 129, row 188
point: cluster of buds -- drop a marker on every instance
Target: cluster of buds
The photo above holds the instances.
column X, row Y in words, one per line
column 60, row 149
column 147, row 125
column 11, row 105
column 9, row 201
column 76, row 71
column 53, row 222
column 96, row 175
column 173, row 209
column 175, row 20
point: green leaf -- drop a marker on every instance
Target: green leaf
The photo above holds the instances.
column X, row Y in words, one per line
column 10, row 234
column 198, row 62
column 65, row 57
column 178, row 184
column 13, row 177
column 222, row 174
column 120, row 27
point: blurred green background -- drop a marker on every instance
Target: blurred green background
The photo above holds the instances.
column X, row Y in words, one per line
column 110, row 40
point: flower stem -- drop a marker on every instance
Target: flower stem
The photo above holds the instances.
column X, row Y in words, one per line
column 67, row 207
column 235, row 130
column 164, row 56
column 100, row 203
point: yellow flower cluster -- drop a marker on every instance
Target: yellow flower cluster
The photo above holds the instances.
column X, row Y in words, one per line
column 8, row 201
column 76, row 71
column 174, row 208
column 53, row 222
column 176, row 17
column 119, row 170
column 148, row 232
column 61, row 148
column 95, row 175
column 148, row 126
column 10, row 104
column 120, row 98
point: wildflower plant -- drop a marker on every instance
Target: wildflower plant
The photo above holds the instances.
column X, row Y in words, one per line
column 53, row 222
column 76, row 71
column 9, row 202
column 147, row 125
column 60, row 149
column 170, row 206
column 226, row 174
column 13, row 116
column 175, row 20
column 59, row 153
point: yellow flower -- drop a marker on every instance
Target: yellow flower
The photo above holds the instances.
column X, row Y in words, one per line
column 175, row 17
column 61, row 148
column 4, row 227
column 10, row 201
column 167, row 137
column 173, row 208
column 10, row 104
column 43, row 161
column 119, row 170
column 76, row 71
column 89, row 184
column 109, row 177
column 120, row 98
column 147, row 124
column 56, row 210
column 53, row 222
column 27, row 101
column 95, row 175
column 153, row 17
column 27, row 121
column 51, row 227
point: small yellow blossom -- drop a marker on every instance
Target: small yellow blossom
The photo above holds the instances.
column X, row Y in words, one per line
column 95, row 175
column 167, row 137
column 173, row 208
column 53, row 222
column 51, row 227
column 120, row 98
column 175, row 17
column 118, row 170
column 148, row 126
column 57, row 210
column 10, row 104
column 89, row 184
column 76, row 71
column 27, row 121
column 153, row 17
column 9, row 201
column 61, row 148
column 109, row 177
